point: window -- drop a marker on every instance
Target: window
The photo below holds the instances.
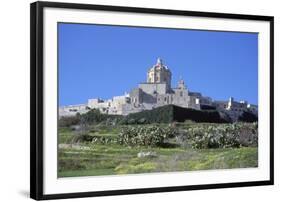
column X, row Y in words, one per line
column 181, row 94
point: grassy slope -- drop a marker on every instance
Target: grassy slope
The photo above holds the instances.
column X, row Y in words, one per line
column 97, row 159
column 116, row 159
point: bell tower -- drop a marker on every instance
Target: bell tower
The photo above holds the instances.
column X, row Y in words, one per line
column 181, row 84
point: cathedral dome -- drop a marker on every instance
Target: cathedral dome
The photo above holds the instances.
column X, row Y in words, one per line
column 159, row 65
column 159, row 73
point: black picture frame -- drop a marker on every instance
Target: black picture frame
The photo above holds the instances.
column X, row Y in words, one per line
column 36, row 98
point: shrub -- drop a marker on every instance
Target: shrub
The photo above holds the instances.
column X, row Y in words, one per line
column 145, row 135
column 171, row 113
column 104, row 139
column 181, row 114
column 158, row 115
column 94, row 116
column 69, row 121
column 142, row 121
column 82, row 137
column 248, row 117
column 222, row 136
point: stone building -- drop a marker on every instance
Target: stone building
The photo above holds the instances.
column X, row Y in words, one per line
column 155, row 92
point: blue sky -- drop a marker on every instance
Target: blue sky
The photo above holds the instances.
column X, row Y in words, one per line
column 105, row 61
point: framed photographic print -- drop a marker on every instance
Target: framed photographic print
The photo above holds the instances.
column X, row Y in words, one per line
column 131, row 100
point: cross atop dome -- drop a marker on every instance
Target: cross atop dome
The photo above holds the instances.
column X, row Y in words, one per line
column 159, row 61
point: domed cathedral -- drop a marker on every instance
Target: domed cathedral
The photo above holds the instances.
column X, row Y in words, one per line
column 158, row 81
column 159, row 73
column 156, row 91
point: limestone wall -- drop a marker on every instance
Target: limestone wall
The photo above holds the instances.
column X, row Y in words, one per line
column 154, row 88
column 72, row 110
